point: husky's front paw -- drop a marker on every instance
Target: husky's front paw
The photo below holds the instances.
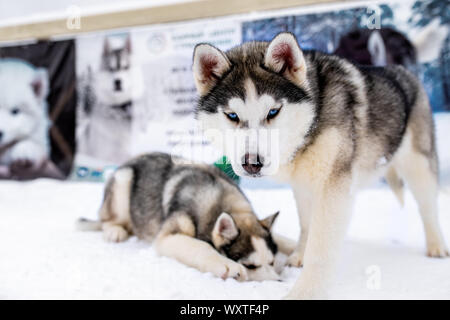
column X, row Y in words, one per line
column 295, row 259
column 115, row 234
column 437, row 250
column 230, row 269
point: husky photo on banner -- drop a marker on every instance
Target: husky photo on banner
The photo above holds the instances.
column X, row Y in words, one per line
column 136, row 93
column 37, row 110
column 107, row 86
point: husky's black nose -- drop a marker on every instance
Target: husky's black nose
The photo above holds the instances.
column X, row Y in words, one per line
column 252, row 163
column 1, row 136
column 117, row 85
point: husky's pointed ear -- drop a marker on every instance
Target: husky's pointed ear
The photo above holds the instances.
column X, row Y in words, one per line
column 209, row 65
column 225, row 230
column 40, row 84
column 268, row 222
column 106, row 47
column 285, row 57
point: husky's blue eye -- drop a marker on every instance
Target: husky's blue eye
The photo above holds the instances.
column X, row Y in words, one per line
column 15, row 111
column 232, row 116
column 272, row 113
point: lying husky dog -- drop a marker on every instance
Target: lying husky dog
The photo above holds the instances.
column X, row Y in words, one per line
column 194, row 213
column 339, row 126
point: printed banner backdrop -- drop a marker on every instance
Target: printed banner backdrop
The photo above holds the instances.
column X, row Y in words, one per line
column 137, row 94
column 107, row 85
column 136, row 90
column 37, row 110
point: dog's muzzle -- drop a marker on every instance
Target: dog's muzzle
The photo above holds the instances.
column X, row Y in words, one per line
column 252, row 164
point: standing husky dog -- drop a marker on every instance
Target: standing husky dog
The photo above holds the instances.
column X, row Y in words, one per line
column 193, row 212
column 24, row 120
column 339, row 126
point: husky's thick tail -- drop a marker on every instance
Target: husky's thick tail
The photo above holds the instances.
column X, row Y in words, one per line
column 84, row 224
column 396, row 184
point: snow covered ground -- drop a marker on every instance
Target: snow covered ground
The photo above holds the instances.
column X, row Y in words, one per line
column 42, row 256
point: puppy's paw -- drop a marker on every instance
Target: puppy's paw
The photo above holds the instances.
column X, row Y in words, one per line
column 115, row 234
column 236, row 271
column 21, row 165
column 437, row 250
column 27, row 155
column 295, row 259
column 230, row 269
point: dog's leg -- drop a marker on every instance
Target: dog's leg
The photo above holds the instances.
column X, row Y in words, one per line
column 424, row 185
column 303, row 202
column 396, row 184
column 115, row 210
column 200, row 255
column 331, row 210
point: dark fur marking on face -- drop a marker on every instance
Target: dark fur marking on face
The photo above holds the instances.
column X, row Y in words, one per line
column 240, row 247
column 268, row 82
column 230, row 85
column 243, row 124
column 271, row 244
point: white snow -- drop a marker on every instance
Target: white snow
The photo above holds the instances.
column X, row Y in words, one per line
column 43, row 256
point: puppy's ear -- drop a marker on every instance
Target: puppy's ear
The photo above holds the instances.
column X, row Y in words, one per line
column 106, row 47
column 285, row 57
column 225, row 230
column 209, row 65
column 128, row 44
column 268, row 222
column 40, row 84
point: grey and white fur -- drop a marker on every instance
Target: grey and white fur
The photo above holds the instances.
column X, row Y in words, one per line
column 339, row 125
column 192, row 212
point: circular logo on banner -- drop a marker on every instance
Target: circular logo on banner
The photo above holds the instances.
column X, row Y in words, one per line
column 157, row 43
column 82, row 172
